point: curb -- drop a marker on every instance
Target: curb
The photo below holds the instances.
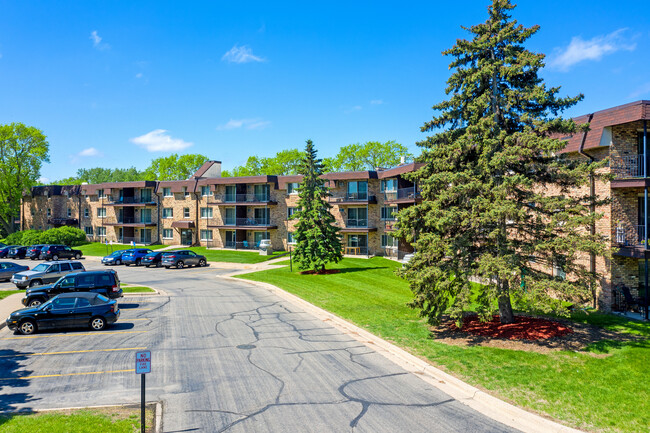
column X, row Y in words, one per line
column 471, row 396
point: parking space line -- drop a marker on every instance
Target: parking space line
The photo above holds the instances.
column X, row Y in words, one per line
column 72, row 335
column 67, row 374
column 72, row 352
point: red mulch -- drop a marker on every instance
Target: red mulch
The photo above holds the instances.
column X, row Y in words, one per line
column 524, row 328
column 325, row 272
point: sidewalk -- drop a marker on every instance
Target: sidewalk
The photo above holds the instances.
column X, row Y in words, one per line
column 8, row 305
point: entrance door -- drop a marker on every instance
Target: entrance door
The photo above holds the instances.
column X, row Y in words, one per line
column 186, row 237
column 259, row 236
column 145, row 236
column 231, row 239
column 360, row 242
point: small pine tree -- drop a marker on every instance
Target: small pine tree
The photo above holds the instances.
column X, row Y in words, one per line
column 317, row 238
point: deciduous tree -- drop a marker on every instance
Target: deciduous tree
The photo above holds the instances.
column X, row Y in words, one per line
column 174, row 167
column 368, row 156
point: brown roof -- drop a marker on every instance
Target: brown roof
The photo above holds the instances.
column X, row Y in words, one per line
column 176, row 185
column 626, row 113
column 205, row 167
column 233, row 180
column 183, row 224
column 108, row 186
column 284, row 180
column 52, row 190
column 350, row 175
column 400, row 169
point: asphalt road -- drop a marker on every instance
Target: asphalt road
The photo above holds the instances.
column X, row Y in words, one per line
column 227, row 356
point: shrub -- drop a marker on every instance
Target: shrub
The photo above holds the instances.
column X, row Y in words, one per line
column 14, row 238
column 31, row 237
column 69, row 236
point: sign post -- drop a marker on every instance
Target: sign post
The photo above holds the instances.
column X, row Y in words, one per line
column 142, row 367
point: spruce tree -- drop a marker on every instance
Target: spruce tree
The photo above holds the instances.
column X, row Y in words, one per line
column 501, row 202
column 317, row 238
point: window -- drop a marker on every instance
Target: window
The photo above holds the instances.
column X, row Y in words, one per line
column 145, row 195
column 145, row 216
column 387, row 241
column 65, row 267
column 231, row 193
column 290, row 212
column 262, row 215
column 67, row 283
column 357, row 217
column 69, row 213
column 388, row 185
column 100, row 193
column 82, row 302
column 76, row 266
column 88, row 230
column 230, row 216
column 558, row 267
column 168, row 234
column 63, row 303
column 101, row 212
column 206, row 235
column 167, row 192
column 101, row 231
column 290, row 238
column 258, row 236
column 186, row 212
column 206, row 212
column 186, row 193
column 292, row 188
column 388, row 213
column 205, row 190
column 262, row 192
column 86, row 213
column 104, row 280
column 168, row 212
column 358, row 190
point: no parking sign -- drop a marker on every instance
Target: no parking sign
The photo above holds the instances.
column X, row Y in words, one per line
column 143, row 362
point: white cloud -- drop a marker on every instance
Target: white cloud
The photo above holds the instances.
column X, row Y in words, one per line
column 244, row 123
column 44, row 180
column 97, row 41
column 593, row 49
column 376, row 102
column 91, row 151
column 159, row 141
column 241, row 54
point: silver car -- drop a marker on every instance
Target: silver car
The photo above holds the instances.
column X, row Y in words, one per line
column 45, row 273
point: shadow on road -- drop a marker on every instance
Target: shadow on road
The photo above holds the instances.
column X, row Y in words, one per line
column 11, row 383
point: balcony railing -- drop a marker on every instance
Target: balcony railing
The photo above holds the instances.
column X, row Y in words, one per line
column 128, row 220
column 351, row 196
column 402, row 194
column 363, row 223
column 247, row 222
column 242, row 245
column 627, row 166
column 241, row 198
column 354, row 250
column 130, row 200
column 127, row 240
column 630, row 236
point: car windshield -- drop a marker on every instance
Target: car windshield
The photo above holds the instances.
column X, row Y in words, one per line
column 152, row 255
column 41, row 268
column 45, row 304
column 116, row 253
column 45, row 247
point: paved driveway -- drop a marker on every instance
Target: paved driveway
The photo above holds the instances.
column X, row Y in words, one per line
column 227, row 356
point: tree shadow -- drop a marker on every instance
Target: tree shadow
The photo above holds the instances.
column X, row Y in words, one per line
column 348, row 270
column 12, row 378
column 126, row 306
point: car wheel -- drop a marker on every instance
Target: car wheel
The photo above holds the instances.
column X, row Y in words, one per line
column 180, row 264
column 137, row 262
column 158, row 264
column 118, row 262
column 167, row 267
column 202, row 263
column 97, row 323
column 34, row 283
column 77, row 256
column 55, row 257
column 127, row 264
column 35, row 302
column 27, row 327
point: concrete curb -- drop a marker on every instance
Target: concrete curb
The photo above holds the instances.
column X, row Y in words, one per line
column 471, row 396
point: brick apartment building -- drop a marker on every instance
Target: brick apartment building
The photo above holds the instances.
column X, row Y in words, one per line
column 225, row 212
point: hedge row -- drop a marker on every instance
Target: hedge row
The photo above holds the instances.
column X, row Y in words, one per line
column 69, row 236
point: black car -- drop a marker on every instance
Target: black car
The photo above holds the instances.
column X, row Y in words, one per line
column 152, row 259
column 66, row 310
column 56, row 252
column 5, row 250
column 34, row 251
column 8, row 269
column 105, row 283
column 17, row 253
column 182, row 258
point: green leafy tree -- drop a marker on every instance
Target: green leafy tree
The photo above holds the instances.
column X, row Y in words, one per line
column 70, row 236
column 368, row 156
column 500, row 200
column 285, row 162
column 174, row 167
column 32, row 237
column 318, row 241
column 23, row 149
column 102, row 175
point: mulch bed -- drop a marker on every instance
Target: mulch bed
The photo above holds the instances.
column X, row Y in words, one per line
column 325, row 272
column 524, row 328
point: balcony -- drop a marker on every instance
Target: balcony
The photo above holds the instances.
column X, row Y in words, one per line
column 129, row 201
column 352, row 198
column 58, row 222
column 403, row 195
column 241, row 199
column 627, row 167
column 129, row 222
column 390, row 226
column 245, row 224
column 630, row 240
column 128, row 240
column 357, row 226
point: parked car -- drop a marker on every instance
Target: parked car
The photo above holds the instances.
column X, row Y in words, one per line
column 115, row 258
column 17, row 253
column 180, row 259
column 2, row 245
column 105, row 283
column 134, row 256
column 56, row 252
column 44, row 273
column 152, row 259
column 33, row 252
column 66, row 310
column 8, row 269
column 5, row 250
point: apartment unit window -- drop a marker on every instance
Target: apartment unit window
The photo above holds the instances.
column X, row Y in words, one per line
column 290, row 238
column 357, row 217
column 49, row 212
column 145, row 195
column 168, row 212
column 262, row 215
column 388, row 213
column 101, row 231
column 292, row 188
column 290, row 212
column 168, row 234
column 186, row 193
column 206, row 212
column 358, row 190
column 100, row 193
column 231, row 193
column 101, row 212
column 186, row 212
column 88, row 230
column 258, row 236
column 230, row 216
column 69, row 213
column 387, row 241
column 206, row 235
column 262, row 192
column 86, row 213
column 205, row 191
column 145, row 216
column 167, row 192
column 558, row 267
column 388, row 185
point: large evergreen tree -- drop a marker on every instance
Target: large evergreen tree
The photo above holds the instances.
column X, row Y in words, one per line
column 317, row 238
column 500, row 200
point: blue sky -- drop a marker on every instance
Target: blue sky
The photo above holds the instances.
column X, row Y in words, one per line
column 117, row 83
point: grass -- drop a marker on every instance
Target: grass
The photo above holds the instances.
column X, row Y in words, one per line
column 99, row 249
column 5, row 293
column 137, row 289
column 115, row 420
column 605, row 393
column 233, row 256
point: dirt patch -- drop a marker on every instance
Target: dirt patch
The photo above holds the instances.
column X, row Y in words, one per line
column 524, row 328
column 577, row 338
column 324, row 272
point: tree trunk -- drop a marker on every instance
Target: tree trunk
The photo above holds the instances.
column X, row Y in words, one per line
column 505, row 307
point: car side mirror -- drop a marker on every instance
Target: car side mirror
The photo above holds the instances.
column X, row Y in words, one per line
column 47, row 308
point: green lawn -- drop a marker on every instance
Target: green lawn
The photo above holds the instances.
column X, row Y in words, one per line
column 137, row 289
column 233, row 256
column 608, row 393
column 5, row 293
column 114, row 420
column 99, row 249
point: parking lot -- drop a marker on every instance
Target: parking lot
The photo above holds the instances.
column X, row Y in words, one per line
column 226, row 355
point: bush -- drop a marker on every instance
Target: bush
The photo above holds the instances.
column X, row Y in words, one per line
column 14, row 239
column 69, row 236
column 31, row 237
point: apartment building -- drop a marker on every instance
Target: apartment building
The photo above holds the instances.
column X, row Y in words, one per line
column 226, row 212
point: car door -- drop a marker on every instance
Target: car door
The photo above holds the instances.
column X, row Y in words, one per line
column 53, row 273
column 67, row 252
column 66, row 285
column 59, row 313
column 192, row 258
column 82, row 313
column 5, row 271
column 86, row 283
column 65, row 269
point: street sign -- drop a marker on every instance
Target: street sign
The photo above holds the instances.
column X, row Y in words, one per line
column 143, row 362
